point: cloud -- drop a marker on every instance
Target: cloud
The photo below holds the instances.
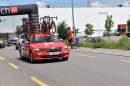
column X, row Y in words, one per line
column 111, row 3
column 98, row 4
column 125, row 4
column 114, row 3
column 41, row 4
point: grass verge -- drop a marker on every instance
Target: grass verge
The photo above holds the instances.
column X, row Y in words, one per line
column 123, row 43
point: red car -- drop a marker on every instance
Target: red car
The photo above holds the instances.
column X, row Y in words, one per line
column 43, row 46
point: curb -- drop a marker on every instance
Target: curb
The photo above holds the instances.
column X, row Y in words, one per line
column 102, row 53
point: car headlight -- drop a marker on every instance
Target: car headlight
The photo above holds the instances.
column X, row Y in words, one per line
column 65, row 47
column 1, row 42
column 38, row 49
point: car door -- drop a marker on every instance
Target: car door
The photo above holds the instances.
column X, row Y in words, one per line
column 26, row 49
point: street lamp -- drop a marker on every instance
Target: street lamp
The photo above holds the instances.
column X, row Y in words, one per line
column 73, row 20
column 13, row 22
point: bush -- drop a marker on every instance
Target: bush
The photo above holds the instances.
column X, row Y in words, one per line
column 123, row 43
column 66, row 42
column 83, row 44
column 62, row 30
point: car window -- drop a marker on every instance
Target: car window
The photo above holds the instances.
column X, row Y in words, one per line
column 40, row 39
column 5, row 40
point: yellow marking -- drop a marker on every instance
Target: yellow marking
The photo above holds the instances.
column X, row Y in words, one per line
column 86, row 55
column 125, row 60
column 14, row 66
column 2, row 58
column 92, row 56
column 38, row 81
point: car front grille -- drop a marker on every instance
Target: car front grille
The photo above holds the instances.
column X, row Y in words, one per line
column 53, row 49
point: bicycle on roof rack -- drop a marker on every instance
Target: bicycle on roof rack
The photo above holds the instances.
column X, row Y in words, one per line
column 48, row 25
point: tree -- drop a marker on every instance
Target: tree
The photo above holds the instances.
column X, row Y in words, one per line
column 128, row 24
column 89, row 29
column 76, row 31
column 62, row 30
column 109, row 24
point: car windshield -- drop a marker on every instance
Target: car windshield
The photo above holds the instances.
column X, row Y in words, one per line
column 5, row 40
column 40, row 39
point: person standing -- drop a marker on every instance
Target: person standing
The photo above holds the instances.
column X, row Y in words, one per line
column 70, row 37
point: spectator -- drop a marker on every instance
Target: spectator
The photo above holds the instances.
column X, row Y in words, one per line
column 70, row 37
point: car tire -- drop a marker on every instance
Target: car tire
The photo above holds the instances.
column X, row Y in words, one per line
column 64, row 59
column 3, row 47
column 21, row 55
column 31, row 58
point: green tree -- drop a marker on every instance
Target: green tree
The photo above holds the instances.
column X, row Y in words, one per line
column 62, row 30
column 109, row 24
column 89, row 29
column 128, row 24
column 76, row 31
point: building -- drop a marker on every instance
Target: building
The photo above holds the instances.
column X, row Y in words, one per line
column 95, row 16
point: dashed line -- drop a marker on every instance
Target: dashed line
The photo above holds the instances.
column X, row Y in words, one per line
column 2, row 58
column 14, row 66
column 86, row 55
column 38, row 81
column 125, row 60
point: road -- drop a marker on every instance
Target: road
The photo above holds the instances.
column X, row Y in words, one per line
column 82, row 69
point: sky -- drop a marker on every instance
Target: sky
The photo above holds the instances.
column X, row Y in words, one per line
column 7, row 25
column 67, row 3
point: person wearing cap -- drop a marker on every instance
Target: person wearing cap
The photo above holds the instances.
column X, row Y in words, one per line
column 70, row 37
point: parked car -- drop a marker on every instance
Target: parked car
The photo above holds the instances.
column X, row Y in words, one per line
column 13, row 41
column 18, row 42
column 7, row 42
column 94, row 39
column 1, row 43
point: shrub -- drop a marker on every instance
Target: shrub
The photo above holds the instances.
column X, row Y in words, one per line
column 97, row 45
column 62, row 30
column 122, row 43
column 66, row 42
column 85, row 44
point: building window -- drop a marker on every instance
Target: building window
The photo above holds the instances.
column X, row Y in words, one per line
column 102, row 13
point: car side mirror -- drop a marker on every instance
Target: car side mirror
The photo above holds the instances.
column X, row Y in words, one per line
column 61, row 40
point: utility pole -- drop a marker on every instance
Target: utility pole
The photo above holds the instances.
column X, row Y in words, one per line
column 73, row 20
column 13, row 22
column 88, row 3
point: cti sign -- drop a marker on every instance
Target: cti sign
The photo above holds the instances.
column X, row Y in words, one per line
column 9, row 10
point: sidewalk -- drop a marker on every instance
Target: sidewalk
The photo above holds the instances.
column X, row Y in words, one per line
column 125, row 53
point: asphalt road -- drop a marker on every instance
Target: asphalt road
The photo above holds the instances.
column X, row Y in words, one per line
column 82, row 69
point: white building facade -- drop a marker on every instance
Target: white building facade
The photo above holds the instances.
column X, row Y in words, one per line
column 95, row 16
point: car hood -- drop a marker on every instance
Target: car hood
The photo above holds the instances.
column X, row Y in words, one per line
column 48, row 45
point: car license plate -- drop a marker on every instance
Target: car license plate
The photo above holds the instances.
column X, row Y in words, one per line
column 53, row 53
